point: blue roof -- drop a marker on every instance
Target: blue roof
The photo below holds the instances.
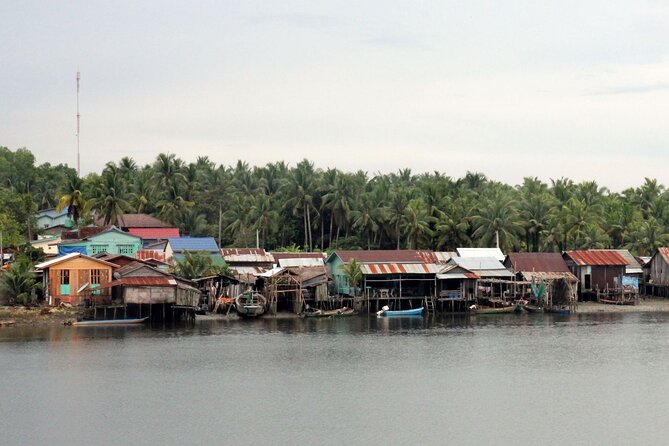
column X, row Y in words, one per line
column 193, row 244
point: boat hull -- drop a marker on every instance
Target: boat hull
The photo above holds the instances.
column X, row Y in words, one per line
column 108, row 322
column 250, row 305
column 557, row 310
column 342, row 312
column 491, row 310
column 533, row 309
column 397, row 313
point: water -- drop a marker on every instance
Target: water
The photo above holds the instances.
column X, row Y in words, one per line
column 500, row 379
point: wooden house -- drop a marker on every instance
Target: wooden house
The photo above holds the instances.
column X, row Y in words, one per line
column 247, row 263
column 597, row 270
column 76, row 279
column 291, row 288
column 549, row 268
column 656, row 273
column 141, row 284
column 456, row 287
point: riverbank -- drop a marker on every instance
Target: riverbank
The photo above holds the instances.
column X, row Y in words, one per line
column 39, row 315
column 643, row 306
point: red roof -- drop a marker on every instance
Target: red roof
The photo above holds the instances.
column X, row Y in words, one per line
column 143, row 281
column 547, row 262
column 139, row 221
column 595, row 257
column 297, row 255
column 154, row 233
column 387, row 256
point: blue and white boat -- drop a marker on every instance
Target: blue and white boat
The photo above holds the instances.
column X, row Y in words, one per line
column 388, row 313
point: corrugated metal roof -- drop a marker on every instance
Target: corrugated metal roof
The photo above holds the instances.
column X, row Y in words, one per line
column 446, row 276
column 529, row 275
column 481, row 252
column 146, row 254
column 254, row 270
column 302, row 262
column 382, row 256
column 398, row 268
column 444, row 256
column 538, row 261
column 596, row 257
column 154, row 233
column 482, row 266
column 297, row 255
column 194, row 244
column 66, row 257
column 664, row 252
column 161, row 281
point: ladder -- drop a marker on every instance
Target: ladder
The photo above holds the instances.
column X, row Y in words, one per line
column 429, row 305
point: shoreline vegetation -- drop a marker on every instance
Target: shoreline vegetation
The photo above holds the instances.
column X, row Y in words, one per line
column 49, row 316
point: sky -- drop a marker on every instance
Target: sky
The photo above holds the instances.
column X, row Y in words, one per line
column 511, row 89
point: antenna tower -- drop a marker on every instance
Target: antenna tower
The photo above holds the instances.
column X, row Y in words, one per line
column 78, row 116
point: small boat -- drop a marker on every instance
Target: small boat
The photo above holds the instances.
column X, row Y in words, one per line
column 340, row 312
column 110, row 322
column 250, row 304
column 533, row 308
column 395, row 313
column 557, row 310
column 494, row 310
column 617, row 301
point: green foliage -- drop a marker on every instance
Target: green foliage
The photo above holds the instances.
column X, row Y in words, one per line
column 18, row 283
column 279, row 205
column 353, row 273
column 196, row 265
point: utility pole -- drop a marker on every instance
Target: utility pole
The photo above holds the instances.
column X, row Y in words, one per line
column 2, row 253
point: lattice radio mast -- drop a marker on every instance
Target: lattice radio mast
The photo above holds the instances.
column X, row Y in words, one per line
column 78, row 116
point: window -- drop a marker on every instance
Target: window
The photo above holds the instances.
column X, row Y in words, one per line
column 126, row 249
column 96, row 274
column 97, row 249
column 64, row 276
column 64, row 282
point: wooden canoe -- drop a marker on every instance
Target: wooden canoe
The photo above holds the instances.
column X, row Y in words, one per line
column 110, row 322
column 340, row 312
column 250, row 304
column 533, row 308
column 493, row 310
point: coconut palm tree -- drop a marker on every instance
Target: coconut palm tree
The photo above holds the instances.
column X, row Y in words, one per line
column 72, row 198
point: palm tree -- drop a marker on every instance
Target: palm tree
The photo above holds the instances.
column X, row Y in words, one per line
column 300, row 186
column 110, row 199
column 19, row 281
column 498, row 220
column 417, row 224
column 72, row 198
column 264, row 216
column 193, row 265
column 353, row 274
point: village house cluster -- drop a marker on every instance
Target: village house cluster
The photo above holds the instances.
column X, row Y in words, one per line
column 128, row 267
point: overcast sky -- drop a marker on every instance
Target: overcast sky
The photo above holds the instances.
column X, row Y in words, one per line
column 508, row 88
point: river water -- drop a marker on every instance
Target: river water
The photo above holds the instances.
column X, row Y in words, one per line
column 483, row 380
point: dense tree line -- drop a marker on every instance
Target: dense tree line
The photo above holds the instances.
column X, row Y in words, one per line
column 311, row 208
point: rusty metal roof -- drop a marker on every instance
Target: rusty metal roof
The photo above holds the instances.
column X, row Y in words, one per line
column 664, row 252
column 596, row 257
column 386, row 256
column 142, row 281
column 538, row 262
column 246, row 255
column 398, row 268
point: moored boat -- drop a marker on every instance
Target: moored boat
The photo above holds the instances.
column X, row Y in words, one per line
column 107, row 322
column 476, row 309
column 557, row 310
column 395, row 313
column 533, row 308
column 340, row 312
column 250, row 304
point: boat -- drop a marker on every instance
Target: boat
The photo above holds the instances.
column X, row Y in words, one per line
column 617, row 301
column 395, row 313
column 476, row 309
column 533, row 308
column 557, row 310
column 106, row 322
column 250, row 304
column 340, row 312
